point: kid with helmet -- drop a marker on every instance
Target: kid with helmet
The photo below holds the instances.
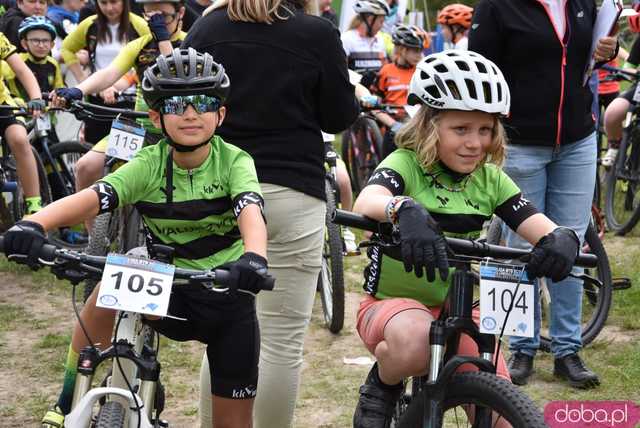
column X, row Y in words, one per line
column 443, row 179
column 186, row 93
column 37, row 35
column 393, row 80
column 363, row 42
column 456, row 20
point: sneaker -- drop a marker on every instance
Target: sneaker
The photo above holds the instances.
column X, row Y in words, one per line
column 54, row 418
column 572, row 368
column 520, row 368
column 376, row 403
column 73, row 237
column 609, row 158
column 350, row 246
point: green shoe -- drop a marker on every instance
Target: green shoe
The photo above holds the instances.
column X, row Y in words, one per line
column 54, row 418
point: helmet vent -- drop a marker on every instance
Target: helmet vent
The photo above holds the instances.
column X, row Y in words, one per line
column 499, row 93
column 441, row 68
column 433, row 91
column 463, row 65
column 481, row 67
column 486, row 88
column 453, row 88
column 471, row 88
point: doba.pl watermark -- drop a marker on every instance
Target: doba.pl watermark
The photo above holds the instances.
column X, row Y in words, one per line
column 592, row 414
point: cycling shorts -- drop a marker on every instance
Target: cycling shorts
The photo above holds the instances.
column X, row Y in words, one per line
column 7, row 118
column 227, row 325
column 628, row 94
column 374, row 314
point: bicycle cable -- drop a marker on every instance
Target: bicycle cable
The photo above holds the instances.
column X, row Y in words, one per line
column 506, row 318
column 82, row 327
column 117, row 358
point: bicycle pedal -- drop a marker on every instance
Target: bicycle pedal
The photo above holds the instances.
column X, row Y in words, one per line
column 621, row 283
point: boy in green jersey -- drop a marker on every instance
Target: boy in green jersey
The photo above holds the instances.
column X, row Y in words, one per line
column 199, row 195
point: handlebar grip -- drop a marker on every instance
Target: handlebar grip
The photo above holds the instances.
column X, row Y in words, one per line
column 587, row 260
column 223, row 277
column 47, row 252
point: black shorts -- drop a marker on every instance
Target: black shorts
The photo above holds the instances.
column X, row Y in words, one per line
column 229, row 328
column 628, row 94
column 7, row 118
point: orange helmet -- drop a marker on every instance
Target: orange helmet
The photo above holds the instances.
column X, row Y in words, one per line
column 634, row 23
column 456, row 14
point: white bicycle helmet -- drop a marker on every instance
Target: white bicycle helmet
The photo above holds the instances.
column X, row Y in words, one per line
column 460, row 80
column 374, row 7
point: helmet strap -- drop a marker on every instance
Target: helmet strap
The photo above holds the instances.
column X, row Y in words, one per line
column 366, row 22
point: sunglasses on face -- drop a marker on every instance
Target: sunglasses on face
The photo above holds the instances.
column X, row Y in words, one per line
column 200, row 103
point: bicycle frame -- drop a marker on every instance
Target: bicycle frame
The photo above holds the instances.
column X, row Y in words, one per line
column 138, row 363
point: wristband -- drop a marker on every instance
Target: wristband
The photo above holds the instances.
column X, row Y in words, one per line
column 393, row 206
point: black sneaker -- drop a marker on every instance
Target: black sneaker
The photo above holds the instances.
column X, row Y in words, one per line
column 376, row 403
column 572, row 368
column 520, row 368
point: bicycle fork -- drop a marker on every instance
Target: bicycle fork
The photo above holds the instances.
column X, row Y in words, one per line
column 446, row 330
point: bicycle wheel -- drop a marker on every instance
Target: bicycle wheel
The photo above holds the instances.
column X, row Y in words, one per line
column 622, row 207
column 475, row 391
column 103, row 237
column 596, row 300
column 66, row 154
column 111, row 415
column 331, row 279
column 132, row 233
column 364, row 151
column 18, row 202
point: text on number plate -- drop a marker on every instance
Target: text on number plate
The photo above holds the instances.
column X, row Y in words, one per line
column 498, row 283
column 136, row 284
column 125, row 139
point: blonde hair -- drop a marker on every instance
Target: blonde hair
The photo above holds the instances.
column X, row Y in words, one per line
column 260, row 11
column 355, row 22
column 421, row 136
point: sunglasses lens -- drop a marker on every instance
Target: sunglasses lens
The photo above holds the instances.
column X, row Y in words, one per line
column 201, row 104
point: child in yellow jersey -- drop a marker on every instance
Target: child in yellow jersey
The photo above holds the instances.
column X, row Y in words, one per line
column 37, row 34
column 13, row 130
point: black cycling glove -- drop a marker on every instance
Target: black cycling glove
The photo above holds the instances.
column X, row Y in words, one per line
column 70, row 94
column 554, row 255
column 247, row 273
column 158, row 27
column 422, row 244
column 25, row 238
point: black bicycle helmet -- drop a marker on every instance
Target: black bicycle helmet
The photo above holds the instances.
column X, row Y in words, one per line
column 408, row 35
column 184, row 72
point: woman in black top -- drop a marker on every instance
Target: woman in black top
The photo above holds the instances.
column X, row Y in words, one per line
column 289, row 81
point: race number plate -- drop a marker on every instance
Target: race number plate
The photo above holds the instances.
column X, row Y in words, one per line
column 125, row 139
column 43, row 122
column 498, row 284
column 636, row 94
column 136, row 284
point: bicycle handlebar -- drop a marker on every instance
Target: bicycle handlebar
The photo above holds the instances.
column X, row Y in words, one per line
column 82, row 106
column 459, row 246
column 50, row 253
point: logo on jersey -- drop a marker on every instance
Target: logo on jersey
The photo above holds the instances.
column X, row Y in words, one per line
column 443, row 200
column 522, row 202
column 107, row 197
column 245, row 199
column 471, row 204
column 247, row 392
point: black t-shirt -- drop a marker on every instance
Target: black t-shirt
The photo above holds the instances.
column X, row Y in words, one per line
column 289, row 80
column 192, row 12
column 9, row 24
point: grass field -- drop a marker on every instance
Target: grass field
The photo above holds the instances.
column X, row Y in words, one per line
column 36, row 318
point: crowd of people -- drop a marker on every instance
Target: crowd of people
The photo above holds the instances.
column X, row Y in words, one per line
column 238, row 93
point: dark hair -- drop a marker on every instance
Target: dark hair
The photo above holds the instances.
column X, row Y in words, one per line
column 102, row 27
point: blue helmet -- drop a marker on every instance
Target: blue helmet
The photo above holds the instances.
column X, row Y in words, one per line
column 36, row 23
